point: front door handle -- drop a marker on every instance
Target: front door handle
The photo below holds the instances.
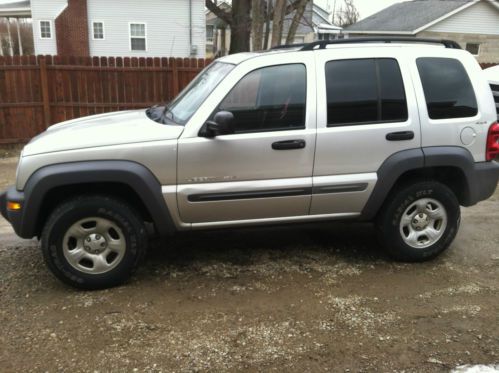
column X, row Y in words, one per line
column 288, row 144
column 400, row 136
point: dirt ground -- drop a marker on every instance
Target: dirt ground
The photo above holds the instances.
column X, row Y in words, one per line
column 319, row 297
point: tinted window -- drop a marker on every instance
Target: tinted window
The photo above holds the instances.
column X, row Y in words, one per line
column 269, row 99
column 393, row 101
column 447, row 88
column 364, row 91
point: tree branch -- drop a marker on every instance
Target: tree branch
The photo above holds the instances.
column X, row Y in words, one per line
column 220, row 13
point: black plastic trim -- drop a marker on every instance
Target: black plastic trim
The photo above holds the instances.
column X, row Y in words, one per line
column 329, row 189
column 3, row 205
column 321, row 44
column 481, row 178
column 132, row 174
column 389, row 172
column 274, row 193
column 400, row 136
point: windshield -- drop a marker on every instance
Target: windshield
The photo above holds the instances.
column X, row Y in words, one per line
column 188, row 101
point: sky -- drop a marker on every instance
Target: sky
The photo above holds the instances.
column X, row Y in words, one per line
column 365, row 7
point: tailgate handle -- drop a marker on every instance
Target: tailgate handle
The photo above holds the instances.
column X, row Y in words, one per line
column 288, row 144
column 400, row 136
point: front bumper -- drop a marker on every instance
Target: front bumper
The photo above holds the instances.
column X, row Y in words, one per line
column 15, row 218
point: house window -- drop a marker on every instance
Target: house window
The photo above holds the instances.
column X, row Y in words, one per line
column 209, row 33
column 138, row 36
column 45, row 30
column 98, row 30
column 473, row 48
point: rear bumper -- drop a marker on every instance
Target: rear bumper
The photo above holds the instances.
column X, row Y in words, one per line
column 483, row 181
column 15, row 218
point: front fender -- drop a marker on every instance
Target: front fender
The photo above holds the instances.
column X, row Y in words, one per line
column 134, row 175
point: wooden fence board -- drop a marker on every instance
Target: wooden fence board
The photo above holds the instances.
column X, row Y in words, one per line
column 37, row 91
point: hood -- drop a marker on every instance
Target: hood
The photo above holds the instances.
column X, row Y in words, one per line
column 124, row 127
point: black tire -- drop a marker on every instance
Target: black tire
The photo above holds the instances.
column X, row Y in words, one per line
column 67, row 214
column 389, row 220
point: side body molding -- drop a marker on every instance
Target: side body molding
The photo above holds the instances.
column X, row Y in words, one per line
column 134, row 175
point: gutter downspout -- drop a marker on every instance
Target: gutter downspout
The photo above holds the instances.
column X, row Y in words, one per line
column 190, row 28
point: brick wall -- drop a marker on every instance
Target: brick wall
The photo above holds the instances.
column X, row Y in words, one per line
column 72, row 30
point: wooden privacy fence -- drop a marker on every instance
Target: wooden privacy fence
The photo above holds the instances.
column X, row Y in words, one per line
column 37, row 91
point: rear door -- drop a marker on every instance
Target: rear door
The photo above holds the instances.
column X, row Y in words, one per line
column 366, row 112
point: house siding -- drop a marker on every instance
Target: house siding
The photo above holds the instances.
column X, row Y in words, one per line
column 481, row 18
column 489, row 44
column 167, row 27
column 45, row 10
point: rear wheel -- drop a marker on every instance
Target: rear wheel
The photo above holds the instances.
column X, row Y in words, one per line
column 418, row 222
column 93, row 242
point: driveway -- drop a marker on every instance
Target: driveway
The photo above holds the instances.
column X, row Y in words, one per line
column 319, row 297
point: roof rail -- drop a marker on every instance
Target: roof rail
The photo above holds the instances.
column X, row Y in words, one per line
column 321, row 44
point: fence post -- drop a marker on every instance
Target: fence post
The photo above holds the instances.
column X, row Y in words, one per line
column 45, row 91
column 175, row 78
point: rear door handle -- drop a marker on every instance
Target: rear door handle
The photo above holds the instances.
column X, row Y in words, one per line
column 289, row 144
column 400, row 136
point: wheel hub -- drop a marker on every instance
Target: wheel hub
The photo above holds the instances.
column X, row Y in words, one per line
column 423, row 223
column 95, row 243
column 420, row 221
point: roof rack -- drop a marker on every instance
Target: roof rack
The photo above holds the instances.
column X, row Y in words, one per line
column 321, row 44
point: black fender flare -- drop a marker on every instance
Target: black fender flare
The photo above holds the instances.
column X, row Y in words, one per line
column 480, row 177
column 134, row 175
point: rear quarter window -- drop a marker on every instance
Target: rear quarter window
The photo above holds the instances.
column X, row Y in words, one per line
column 447, row 87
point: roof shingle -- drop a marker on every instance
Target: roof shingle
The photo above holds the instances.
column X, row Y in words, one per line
column 407, row 16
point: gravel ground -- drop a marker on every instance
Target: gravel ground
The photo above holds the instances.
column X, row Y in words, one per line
column 319, row 297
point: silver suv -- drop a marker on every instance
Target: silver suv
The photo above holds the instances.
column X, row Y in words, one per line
column 398, row 132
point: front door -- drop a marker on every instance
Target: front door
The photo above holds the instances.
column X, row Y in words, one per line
column 264, row 170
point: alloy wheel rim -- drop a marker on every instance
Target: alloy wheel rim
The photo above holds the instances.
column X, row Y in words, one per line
column 94, row 245
column 423, row 223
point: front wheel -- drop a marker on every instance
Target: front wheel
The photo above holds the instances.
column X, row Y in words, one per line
column 93, row 242
column 418, row 222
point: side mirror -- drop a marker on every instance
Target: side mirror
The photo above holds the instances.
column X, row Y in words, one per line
column 222, row 124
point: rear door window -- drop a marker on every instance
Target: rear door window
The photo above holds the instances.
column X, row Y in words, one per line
column 365, row 91
column 447, row 87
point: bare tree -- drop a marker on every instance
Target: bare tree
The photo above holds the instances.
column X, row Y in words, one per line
column 300, row 10
column 239, row 20
column 258, row 17
column 247, row 17
column 278, row 21
column 348, row 14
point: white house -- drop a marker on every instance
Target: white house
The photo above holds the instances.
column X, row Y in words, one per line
column 474, row 24
column 148, row 28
